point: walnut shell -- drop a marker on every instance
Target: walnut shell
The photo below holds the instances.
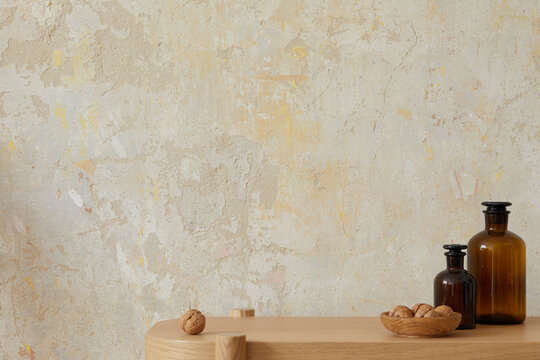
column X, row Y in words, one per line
column 415, row 307
column 192, row 322
column 403, row 313
column 444, row 310
column 422, row 310
column 431, row 314
column 397, row 308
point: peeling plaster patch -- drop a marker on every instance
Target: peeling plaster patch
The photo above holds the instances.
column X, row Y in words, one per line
column 46, row 12
column 165, row 287
column 190, row 169
column 221, row 251
column 83, row 19
column 86, row 165
column 276, row 278
column 118, row 147
column 82, row 66
column 200, row 212
column 121, row 34
column 233, row 226
column 76, row 198
column 40, row 108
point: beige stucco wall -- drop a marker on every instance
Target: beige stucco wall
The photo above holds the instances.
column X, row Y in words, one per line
column 303, row 158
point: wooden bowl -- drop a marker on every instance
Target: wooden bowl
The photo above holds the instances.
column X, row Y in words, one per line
column 431, row 327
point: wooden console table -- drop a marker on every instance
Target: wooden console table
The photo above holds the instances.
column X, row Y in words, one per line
column 334, row 338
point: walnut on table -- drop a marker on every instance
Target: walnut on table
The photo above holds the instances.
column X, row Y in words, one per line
column 193, row 322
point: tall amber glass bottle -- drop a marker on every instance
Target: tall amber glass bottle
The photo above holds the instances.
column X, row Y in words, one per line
column 496, row 259
column 455, row 287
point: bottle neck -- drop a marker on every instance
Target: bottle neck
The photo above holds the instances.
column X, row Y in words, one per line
column 496, row 223
column 454, row 263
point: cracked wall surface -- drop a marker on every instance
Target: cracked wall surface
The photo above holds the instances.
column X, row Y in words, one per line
column 299, row 157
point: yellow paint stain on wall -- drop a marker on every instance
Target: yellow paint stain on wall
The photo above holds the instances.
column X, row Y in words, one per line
column 330, row 181
column 28, row 280
column 56, row 282
column 86, row 165
column 57, row 57
column 11, row 145
column 88, row 120
column 141, row 261
column 404, row 113
column 293, row 84
column 299, row 52
column 378, row 22
column 341, row 213
column 429, row 151
column 28, row 349
column 442, row 70
column 499, row 174
column 280, row 126
column 141, row 230
column 83, row 69
column 60, row 113
column 481, row 136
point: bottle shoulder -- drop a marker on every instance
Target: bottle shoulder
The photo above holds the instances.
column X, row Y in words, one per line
column 514, row 237
column 485, row 238
column 454, row 276
column 479, row 237
column 441, row 274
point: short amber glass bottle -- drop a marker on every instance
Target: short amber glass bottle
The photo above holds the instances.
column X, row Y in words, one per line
column 496, row 259
column 456, row 288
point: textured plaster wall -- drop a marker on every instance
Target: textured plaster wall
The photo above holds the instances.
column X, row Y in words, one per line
column 303, row 158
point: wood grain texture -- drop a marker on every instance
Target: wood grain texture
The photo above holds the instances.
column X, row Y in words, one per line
column 437, row 326
column 241, row 312
column 317, row 338
column 231, row 346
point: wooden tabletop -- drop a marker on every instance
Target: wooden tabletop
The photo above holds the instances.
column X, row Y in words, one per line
column 313, row 338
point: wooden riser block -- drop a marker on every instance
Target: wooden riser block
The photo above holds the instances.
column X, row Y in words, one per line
column 231, row 347
column 242, row 312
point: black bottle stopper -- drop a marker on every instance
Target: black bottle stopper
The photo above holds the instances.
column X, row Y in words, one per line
column 496, row 207
column 454, row 250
